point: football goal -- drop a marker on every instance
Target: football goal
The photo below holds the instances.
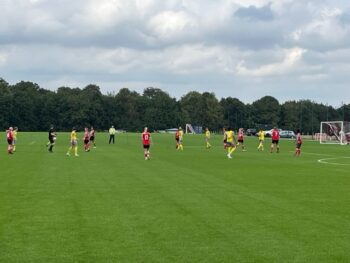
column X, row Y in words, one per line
column 335, row 132
column 189, row 129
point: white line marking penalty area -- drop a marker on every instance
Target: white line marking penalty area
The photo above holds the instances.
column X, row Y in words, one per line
column 330, row 161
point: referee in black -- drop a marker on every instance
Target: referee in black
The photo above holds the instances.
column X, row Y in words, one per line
column 52, row 139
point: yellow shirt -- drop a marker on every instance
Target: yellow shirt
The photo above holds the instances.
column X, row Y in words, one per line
column 181, row 134
column 111, row 131
column 207, row 134
column 73, row 136
column 261, row 135
column 230, row 135
column 14, row 135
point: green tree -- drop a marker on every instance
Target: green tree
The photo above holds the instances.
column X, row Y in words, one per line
column 202, row 109
column 71, row 109
column 266, row 111
column 289, row 115
column 235, row 113
column 130, row 110
column 344, row 112
column 92, row 100
column 191, row 108
column 5, row 104
column 160, row 109
column 213, row 112
column 47, row 113
column 25, row 105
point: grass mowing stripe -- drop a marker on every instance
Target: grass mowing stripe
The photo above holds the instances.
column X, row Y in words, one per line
column 110, row 205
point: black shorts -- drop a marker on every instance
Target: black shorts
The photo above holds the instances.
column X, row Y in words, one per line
column 86, row 141
column 240, row 141
column 92, row 138
column 51, row 140
column 230, row 144
column 275, row 142
column 225, row 141
column 298, row 146
column 146, row 146
column 10, row 142
column 177, row 139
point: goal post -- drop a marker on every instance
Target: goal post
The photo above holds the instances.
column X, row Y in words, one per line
column 334, row 132
column 189, row 129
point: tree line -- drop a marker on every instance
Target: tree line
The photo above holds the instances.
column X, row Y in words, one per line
column 33, row 108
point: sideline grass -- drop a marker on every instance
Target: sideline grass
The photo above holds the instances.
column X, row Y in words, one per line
column 110, row 205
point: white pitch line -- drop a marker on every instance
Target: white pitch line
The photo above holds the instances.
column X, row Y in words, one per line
column 325, row 161
column 318, row 154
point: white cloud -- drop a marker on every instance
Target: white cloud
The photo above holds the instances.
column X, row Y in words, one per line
column 3, row 58
column 169, row 25
column 179, row 44
column 314, row 77
column 325, row 30
column 292, row 57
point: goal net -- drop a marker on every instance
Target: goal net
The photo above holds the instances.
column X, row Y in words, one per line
column 189, row 129
column 335, row 132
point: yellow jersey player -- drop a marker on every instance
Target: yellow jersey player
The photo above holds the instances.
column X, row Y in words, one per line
column 207, row 138
column 261, row 137
column 225, row 138
column 15, row 130
column 74, row 143
column 181, row 136
column 230, row 142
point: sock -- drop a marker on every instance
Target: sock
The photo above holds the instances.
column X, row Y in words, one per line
column 232, row 150
column 76, row 150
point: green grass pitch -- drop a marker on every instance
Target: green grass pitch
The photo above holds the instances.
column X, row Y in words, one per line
column 110, row 205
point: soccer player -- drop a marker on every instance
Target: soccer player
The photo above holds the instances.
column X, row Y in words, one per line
column 230, row 143
column 207, row 138
column 275, row 136
column 74, row 143
column 15, row 130
column 177, row 138
column 9, row 137
column 52, row 139
column 111, row 134
column 261, row 136
column 146, row 142
column 241, row 139
column 181, row 136
column 86, row 140
column 299, row 142
column 92, row 136
column 225, row 138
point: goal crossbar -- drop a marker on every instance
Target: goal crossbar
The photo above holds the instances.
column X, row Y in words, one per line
column 334, row 132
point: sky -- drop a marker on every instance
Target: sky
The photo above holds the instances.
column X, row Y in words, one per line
column 289, row 49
